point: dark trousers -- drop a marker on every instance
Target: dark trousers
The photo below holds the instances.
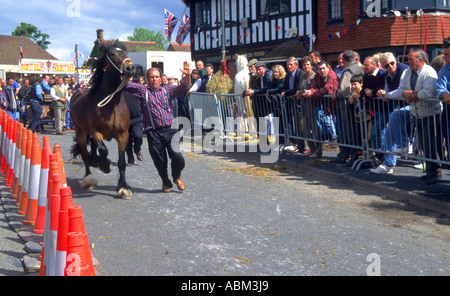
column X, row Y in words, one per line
column 35, row 124
column 429, row 136
column 160, row 145
column 134, row 138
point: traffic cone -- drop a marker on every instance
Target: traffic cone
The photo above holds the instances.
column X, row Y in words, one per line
column 76, row 224
column 77, row 260
column 61, row 243
column 5, row 142
column 43, row 185
column 54, row 204
column 57, row 152
column 23, row 153
column 8, row 152
column 26, row 176
column 47, row 238
column 15, row 182
column 9, row 176
column 35, row 174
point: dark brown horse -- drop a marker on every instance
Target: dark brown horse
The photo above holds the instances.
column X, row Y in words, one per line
column 101, row 113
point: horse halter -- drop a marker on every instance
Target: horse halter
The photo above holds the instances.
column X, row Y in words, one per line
column 106, row 100
column 121, row 66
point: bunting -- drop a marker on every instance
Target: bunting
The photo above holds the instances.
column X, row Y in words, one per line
column 171, row 22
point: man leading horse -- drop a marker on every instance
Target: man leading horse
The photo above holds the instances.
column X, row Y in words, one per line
column 156, row 102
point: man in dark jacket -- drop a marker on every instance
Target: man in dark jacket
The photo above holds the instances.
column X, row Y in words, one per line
column 263, row 83
column 343, row 117
column 136, row 128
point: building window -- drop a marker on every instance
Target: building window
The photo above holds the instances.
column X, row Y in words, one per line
column 365, row 3
column 269, row 7
column 335, row 11
column 203, row 13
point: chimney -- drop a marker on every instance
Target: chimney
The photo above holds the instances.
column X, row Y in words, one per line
column 100, row 34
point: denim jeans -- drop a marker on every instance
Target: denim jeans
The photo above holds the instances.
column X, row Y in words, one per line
column 377, row 132
column 396, row 133
column 325, row 124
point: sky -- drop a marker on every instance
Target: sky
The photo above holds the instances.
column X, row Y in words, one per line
column 70, row 22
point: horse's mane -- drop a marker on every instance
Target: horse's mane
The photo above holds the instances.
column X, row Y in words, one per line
column 97, row 68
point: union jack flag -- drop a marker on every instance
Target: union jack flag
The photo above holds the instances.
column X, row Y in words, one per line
column 171, row 22
column 184, row 29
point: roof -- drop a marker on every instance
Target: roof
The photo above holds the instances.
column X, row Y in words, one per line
column 176, row 47
column 9, row 50
column 138, row 45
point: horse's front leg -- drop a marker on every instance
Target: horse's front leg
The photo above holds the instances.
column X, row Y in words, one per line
column 88, row 181
column 123, row 189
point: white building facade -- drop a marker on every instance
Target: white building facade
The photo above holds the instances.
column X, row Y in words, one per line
column 252, row 27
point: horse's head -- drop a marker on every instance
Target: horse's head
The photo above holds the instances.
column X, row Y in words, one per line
column 116, row 55
column 241, row 62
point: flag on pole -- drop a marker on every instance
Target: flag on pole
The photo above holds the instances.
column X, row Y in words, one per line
column 171, row 22
column 184, row 29
column 20, row 51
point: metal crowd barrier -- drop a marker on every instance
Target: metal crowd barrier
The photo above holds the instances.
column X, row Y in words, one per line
column 362, row 130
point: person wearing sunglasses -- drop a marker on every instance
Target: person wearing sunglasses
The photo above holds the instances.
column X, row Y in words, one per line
column 396, row 134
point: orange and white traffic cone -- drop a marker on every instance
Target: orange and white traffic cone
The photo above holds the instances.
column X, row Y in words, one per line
column 54, row 204
column 35, row 175
column 61, row 242
column 1, row 135
column 10, row 175
column 57, row 152
column 15, row 182
column 43, row 185
column 63, row 229
column 76, row 224
column 26, row 176
column 77, row 260
column 45, row 253
column 23, row 152
column 8, row 152
column 5, row 142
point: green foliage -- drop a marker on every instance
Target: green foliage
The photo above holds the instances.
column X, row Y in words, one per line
column 30, row 31
column 147, row 35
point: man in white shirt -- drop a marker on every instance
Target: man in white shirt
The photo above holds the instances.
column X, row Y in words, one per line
column 418, row 87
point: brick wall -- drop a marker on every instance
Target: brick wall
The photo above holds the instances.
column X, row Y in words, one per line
column 374, row 33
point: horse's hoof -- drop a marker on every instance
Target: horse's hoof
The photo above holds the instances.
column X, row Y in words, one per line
column 107, row 169
column 125, row 193
column 89, row 182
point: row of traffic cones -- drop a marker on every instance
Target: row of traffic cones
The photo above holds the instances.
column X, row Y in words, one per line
column 37, row 182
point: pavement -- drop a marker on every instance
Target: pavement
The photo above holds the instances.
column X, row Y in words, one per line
column 404, row 185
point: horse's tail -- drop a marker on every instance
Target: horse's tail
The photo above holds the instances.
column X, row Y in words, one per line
column 75, row 150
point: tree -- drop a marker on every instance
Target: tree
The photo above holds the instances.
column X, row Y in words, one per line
column 30, row 31
column 147, row 35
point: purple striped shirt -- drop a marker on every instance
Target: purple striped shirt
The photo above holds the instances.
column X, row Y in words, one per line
column 157, row 111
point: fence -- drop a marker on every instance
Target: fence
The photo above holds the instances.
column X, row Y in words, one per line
column 364, row 131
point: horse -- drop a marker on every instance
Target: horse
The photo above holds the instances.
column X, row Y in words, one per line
column 101, row 113
column 242, row 83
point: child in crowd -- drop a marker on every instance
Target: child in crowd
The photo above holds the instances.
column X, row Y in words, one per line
column 356, row 121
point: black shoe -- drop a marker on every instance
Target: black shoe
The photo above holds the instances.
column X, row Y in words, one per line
column 339, row 160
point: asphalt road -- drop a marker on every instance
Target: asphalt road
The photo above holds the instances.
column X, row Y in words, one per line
column 237, row 218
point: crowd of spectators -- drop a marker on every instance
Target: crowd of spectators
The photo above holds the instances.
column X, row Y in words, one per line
column 405, row 104
column 19, row 96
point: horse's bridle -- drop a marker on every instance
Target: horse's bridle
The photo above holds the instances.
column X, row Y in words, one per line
column 121, row 66
column 106, row 100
